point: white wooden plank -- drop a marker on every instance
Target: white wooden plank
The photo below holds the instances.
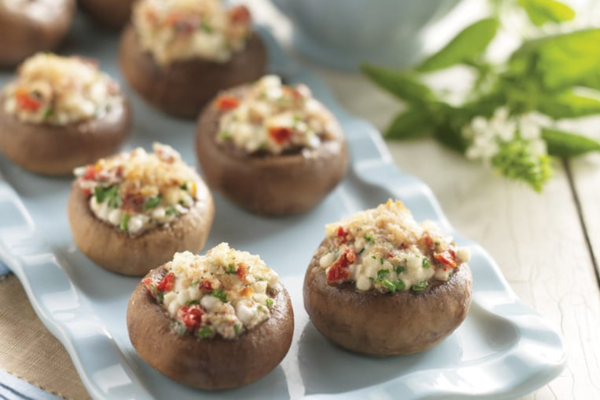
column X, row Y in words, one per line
column 537, row 239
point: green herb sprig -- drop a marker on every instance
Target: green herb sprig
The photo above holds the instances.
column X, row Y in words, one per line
column 111, row 194
column 507, row 119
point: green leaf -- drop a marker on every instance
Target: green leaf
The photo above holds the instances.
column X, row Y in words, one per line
column 466, row 46
column 420, row 287
column 543, row 11
column 411, row 124
column 220, row 294
column 231, row 269
column 382, row 274
column 561, row 61
column 205, row 332
column 515, row 160
column 99, row 193
column 110, row 193
column 171, row 211
column 399, row 270
column 402, row 84
column 564, row 144
column 151, row 202
column 400, row 285
column 124, row 222
column 570, row 104
column 389, row 286
column 426, row 263
column 451, row 137
column 205, row 26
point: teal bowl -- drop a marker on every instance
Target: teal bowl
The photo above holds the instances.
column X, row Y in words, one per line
column 344, row 33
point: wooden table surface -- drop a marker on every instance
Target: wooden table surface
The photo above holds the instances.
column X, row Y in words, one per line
column 545, row 244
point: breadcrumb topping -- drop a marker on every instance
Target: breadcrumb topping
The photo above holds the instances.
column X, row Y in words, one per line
column 51, row 89
column 225, row 292
column 136, row 191
column 385, row 249
column 274, row 118
column 186, row 29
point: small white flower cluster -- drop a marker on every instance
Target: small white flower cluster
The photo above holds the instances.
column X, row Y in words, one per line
column 487, row 135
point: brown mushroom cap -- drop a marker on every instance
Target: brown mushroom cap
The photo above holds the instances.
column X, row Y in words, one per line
column 382, row 324
column 113, row 14
column 215, row 363
column 269, row 185
column 184, row 87
column 58, row 149
column 136, row 255
column 39, row 26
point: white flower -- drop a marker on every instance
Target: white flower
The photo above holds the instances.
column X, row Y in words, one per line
column 486, row 135
column 538, row 146
column 502, row 125
column 529, row 128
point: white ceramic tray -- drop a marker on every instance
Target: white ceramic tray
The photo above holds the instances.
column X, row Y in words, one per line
column 503, row 349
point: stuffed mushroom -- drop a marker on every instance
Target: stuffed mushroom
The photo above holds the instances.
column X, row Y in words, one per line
column 113, row 14
column 382, row 284
column 129, row 213
column 60, row 113
column 217, row 321
column 30, row 26
column 177, row 54
column 271, row 148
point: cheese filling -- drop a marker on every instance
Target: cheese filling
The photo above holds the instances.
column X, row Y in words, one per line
column 385, row 249
column 56, row 90
column 225, row 292
column 175, row 30
column 274, row 118
column 137, row 191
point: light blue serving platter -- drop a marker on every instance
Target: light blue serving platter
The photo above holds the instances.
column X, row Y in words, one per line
column 503, row 349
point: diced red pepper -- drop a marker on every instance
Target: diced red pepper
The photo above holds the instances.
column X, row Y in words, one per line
column 90, row 173
column 239, row 14
column 172, row 19
column 166, row 284
column 190, row 316
column 242, row 270
column 147, row 282
column 133, row 202
column 247, row 291
column 27, row 101
column 227, row 103
column 342, row 234
column 280, row 135
column 293, row 92
column 429, row 241
column 338, row 272
column 447, row 258
column 205, row 286
column 185, row 27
